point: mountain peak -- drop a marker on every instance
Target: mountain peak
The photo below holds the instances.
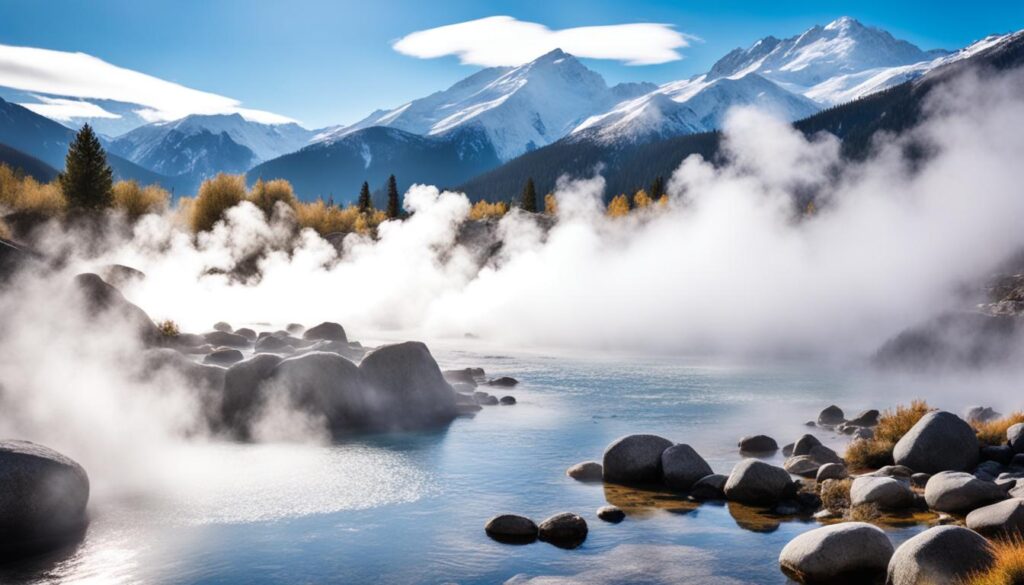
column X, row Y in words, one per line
column 844, row 23
column 552, row 56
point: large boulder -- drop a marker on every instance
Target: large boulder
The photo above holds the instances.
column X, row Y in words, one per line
column 43, row 498
column 1015, row 437
column 885, row 492
column 325, row 385
column 711, row 487
column 757, row 483
column 940, row 441
column 957, row 491
column 405, row 387
column 243, row 398
column 511, row 529
column 565, row 530
column 944, row 555
column 831, row 471
column 801, row 465
column 681, row 467
column 274, row 344
column 635, row 459
column 804, row 445
column 867, row 418
column 1002, row 519
column 327, row 330
column 226, row 339
column 102, row 301
column 758, row 444
column 849, row 551
column 831, row 416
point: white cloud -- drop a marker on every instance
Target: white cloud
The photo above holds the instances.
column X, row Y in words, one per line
column 65, row 110
column 503, row 40
column 77, row 75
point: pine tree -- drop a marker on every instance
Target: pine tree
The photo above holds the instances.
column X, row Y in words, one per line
column 657, row 188
column 87, row 181
column 365, row 203
column 529, row 199
column 392, row 210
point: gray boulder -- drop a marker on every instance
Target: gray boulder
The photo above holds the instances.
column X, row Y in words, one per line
column 565, row 530
column 885, row 492
column 1002, row 519
column 758, row 444
column 586, row 471
column 711, row 487
column 867, row 418
column 326, row 330
column 822, row 455
column 849, row 552
column 243, row 398
column 226, row 339
column 295, row 328
column 222, row 326
column 980, row 414
column 681, row 467
column 247, row 333
column 635, row 459
column 956, row 491
column 507, row 400
column 511, row 529
column 613, row 514
column 42, row 503
column 274, row 344
column 804, row 445
column 831, row 471
column 943, row 555
column 831, row 416
column 1001, row 454
column 801, row 465
column 105, row 303
column 757, row 483
column 327, row 386
column 897, row 471
column 1015, row 437
column 405, row 387
column 223, row 357
column 940, row 441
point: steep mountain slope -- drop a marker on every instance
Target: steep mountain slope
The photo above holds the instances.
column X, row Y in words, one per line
column 26, row 163
column 518, row 109
column 628, row 166
column 338, row 167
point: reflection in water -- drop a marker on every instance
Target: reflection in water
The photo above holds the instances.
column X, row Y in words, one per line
column 644, row 502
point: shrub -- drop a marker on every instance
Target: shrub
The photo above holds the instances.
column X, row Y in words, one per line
column 618, row 206
column 168, row 328
column 550, row 204
column 326, row 219
column 641, row 199
column 1008, row 568
column 136, row 201
column 43, row 198
column 216, row 196
column 835, row 494
column 488, row 210
column 266, row 194
column 994, row 432
column 893, row 424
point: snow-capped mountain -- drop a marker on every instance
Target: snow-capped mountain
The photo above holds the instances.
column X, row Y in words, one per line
column 517, row 108
column 204, row 145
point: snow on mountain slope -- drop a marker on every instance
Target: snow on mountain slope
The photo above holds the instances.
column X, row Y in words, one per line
column 518, row 108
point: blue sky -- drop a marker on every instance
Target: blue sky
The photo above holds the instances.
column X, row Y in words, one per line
column 326, row 62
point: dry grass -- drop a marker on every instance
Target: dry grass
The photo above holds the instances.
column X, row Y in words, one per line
column 25, row 194
column 892, row 425
column 266, row 194
column 641, row 199
column 835, row 494
column 327, row 219
column 994, row 432
column 136, row 201
column 488, row 210
column 1008, row 568
column 550, row 204
column 864, row 513
column 216, row 196
column 618, row 206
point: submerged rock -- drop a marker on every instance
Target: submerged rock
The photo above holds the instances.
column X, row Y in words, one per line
column 846, row 552
column 504, row 381
column 507, row 400
column 565, row 530
column 940, row 441
column 757, row 483
column 586, row 471
column 944, row 555
column 511, row 529
column 635, row 459
column 613, row 514
column 43, row 500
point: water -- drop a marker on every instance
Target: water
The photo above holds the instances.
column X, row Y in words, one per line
column 411, row 508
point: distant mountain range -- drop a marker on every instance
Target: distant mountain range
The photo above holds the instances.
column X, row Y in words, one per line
column 500, row 125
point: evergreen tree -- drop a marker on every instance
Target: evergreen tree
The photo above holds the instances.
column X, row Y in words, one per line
column 657, row 188
column 365, row 203
column 87, row 181
column 392, row 210
column 529, row 199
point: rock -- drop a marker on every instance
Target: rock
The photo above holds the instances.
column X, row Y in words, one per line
column 635, row 459
column 222, row 326
column 511, row 529
column 940, row 441
column 102, row 301
column 329, row 387
column 247, row 333
column 242, row 395
column 711, row 487
column 944, row 555
column 407, row 386
column 1015, row 437
column 897, row 471
column 804, row 444
column 504, row 382
column 326, row 330
column 1001, row 454
column 831, row 416
column 485, row 399
column 464, row 376
column 119, row 275
column 681, row 467
column 226, row 339
column 822, row 455
column 1002, row 519
column 956, row 491
column 507, row 400
column 787, row 450
column 1017, row 491
column 613, row 514
column 885, row 492
column 919, row 480
column 43, row 500
column 801, row 465
column 223, row 357
column 586, row 471
column 206, row 380
column 864, row 433
column 757, row 483
column 346, row 351
column 295, row 328
column 990, row 468
column 848, row 552
column 758, row 444
column 831, row 471
column 1017, row 461
column 980, row 414
column 565, row 530
column 274, row 344
column 867, row 418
